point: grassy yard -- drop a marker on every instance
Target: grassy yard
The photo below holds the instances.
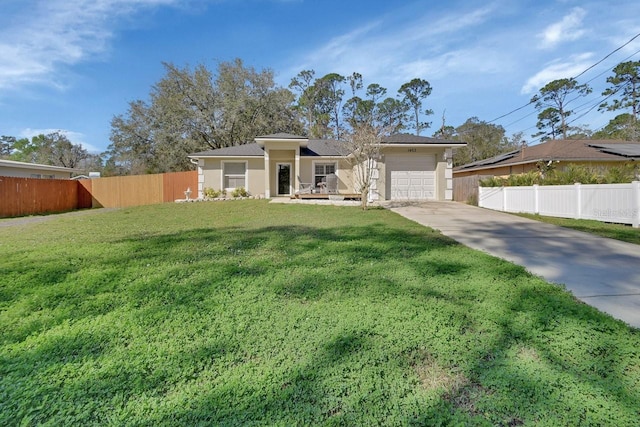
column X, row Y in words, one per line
column 249, row 313
column 612, row 231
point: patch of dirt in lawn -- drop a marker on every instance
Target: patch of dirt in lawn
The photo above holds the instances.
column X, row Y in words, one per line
column 26, row 220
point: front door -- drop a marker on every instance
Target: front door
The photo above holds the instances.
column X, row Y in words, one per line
column 284, row 179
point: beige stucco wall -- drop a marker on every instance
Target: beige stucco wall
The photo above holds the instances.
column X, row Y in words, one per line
column 441, row 174
column 307, row 168
column 211, row 171
column 280, row 156
column 211, row 174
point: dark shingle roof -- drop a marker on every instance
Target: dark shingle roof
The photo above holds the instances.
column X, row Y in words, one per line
column 405, row 138
column 565, row 150
column 620, row 149
column 315, row 147
column 282, row 135
column 323, row 147
column 248, row 150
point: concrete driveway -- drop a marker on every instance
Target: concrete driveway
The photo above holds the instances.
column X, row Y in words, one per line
column 602, row 272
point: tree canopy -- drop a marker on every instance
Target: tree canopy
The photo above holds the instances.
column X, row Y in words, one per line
column 191, row 110
column 413, row 94
column 195, row 110
column 325, row 113
column 483, row 140
column 552, row 102
column 626, row 84
column 51, row 149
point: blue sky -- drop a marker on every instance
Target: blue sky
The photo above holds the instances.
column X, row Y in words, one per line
column 72, row 65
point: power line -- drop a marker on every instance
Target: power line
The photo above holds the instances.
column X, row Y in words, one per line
column 614, row 51
column 587, row 69
column 606, row 71
column 598, row 103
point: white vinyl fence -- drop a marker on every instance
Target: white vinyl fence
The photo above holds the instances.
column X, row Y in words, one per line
column 618, row 203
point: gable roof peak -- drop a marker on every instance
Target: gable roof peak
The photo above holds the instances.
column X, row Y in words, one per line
column 281, row 135
column 406, row 138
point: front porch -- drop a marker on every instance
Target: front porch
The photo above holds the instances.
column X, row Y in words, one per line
column 326, row 196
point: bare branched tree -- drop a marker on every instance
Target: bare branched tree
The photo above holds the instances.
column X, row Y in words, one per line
column 363, row 146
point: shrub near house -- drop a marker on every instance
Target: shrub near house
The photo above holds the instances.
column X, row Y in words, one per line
column 568, row 175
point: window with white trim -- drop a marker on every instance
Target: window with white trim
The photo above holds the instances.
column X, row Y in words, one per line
column 235, row 175
column 321, row 170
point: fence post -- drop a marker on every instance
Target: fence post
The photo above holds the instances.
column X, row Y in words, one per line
column 536, row 200
column 578, row 188
column 635, row 197
column 504, row 199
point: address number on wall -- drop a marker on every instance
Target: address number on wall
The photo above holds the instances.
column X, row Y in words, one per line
column 412, row 150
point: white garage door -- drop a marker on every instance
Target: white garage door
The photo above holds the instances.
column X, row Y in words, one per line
column 412, row 177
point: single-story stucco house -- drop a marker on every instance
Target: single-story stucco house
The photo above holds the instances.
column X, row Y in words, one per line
column 593, row 153
column 34, row 170
column 409, row 168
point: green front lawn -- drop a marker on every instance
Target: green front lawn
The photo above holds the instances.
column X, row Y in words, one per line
column 621, row 232
column 249, row 313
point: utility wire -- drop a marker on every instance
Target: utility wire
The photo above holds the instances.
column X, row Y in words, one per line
column 614, row 51
column 587, row 69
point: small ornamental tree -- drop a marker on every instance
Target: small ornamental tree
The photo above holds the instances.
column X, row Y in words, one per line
column 363, row 146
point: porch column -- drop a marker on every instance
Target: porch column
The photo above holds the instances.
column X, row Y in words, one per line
column 448, row 174
column 200, row 178
column 296, row 176
column 267, row 175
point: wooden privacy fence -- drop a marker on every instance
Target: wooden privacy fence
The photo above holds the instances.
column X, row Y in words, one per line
column 30, row 196
column 124, row 191
column 619, row 203
column 465, row 188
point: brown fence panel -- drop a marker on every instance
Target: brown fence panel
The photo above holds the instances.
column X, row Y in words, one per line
column 176, row 183
column 29, row 196
column 85, row 199
column 465, row 189
column 124, row 191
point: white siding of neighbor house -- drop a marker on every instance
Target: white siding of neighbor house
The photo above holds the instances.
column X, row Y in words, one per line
column 33, row 173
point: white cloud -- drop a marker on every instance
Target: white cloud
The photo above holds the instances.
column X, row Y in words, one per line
column 568, row 29
column 42, row 35
column 557, row 70
column 377, row 49
column 74, row 137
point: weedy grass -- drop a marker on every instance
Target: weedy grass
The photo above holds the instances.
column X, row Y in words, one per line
column 249, row 313
column 621, row 232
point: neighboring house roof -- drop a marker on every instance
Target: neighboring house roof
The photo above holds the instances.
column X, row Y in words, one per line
column 38, row 166
column 561, row 150
column 621, row 149
column 317, row 147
